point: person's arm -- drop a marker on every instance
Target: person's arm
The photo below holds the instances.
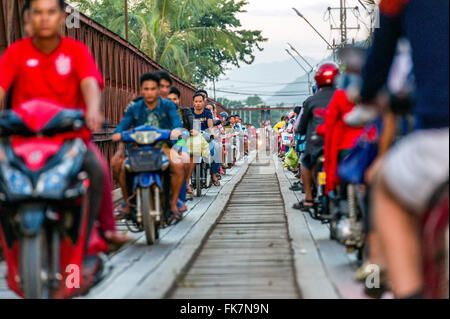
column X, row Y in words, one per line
column 305, row 118
column 8, row 70
column 92, row 96
column 297, row 122
column 380, row 56
column 333, row 113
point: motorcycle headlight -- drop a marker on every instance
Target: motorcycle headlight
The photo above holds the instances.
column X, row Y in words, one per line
column 18, row 184
column 145, row 138
column 53, row 183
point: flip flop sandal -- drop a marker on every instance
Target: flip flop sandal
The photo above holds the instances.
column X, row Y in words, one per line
column 174, row 218
column 217, row 184
column 120, row 213
column 182, row 210
column 296, row 187
column 304, row 208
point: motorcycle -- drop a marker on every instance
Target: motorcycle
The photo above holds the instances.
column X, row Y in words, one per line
column 44, row 203
column 147, row 167
column 347, row 221
column 201, row 177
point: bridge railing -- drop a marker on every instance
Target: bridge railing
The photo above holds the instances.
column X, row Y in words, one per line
column 121, row 64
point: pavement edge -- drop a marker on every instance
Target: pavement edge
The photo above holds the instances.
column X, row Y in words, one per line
column 311, row 275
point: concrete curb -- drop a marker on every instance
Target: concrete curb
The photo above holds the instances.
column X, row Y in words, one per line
column 311, row 275
column 163, row 280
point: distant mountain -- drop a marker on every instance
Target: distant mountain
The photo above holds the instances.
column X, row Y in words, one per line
column 298, row 86
column 265, row 80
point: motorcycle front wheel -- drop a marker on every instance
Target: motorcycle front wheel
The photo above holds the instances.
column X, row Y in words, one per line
column 33, row 265
column 148, row 220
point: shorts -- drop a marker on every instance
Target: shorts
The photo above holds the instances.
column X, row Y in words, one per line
column 417, row 167
column 309, row 160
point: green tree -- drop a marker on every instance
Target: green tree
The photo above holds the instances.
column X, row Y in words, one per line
column 254, row 101
column 194, row 39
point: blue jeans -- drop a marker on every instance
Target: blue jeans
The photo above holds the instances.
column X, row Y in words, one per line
column 215, row 168
column 182, row 197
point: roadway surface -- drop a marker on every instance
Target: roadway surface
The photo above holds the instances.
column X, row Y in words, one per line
column 239, row 240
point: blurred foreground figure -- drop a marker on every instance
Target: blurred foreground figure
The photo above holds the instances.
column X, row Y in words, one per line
column 412, row 180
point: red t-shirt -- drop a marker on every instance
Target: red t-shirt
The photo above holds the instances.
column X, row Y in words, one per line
column 56, row 76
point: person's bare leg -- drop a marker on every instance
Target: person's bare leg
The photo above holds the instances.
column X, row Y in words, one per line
column 177, row 180
column 177, row 177
column 189, row 175
column 375, row 251
column 399, row 236
column 123, row 186
column 307, row 183
column 118, row 169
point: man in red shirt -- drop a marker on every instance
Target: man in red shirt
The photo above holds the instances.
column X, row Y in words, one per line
column 50, row 66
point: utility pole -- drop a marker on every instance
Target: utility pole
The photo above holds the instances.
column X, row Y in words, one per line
column 343, row 27
column 126, row 20
column 343, row 22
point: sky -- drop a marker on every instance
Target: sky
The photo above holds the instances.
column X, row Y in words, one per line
column 280, row 24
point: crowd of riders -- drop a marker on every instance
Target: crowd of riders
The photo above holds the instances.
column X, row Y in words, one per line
column 58, row 73
column 370, row 148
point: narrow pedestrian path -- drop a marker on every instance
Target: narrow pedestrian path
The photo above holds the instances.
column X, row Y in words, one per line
column 248, row 254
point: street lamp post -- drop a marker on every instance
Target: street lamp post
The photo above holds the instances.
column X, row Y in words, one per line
column 308, row 73
column 330, row 46
column 311, row 67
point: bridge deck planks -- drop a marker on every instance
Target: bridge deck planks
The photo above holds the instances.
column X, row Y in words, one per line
column 248, row 254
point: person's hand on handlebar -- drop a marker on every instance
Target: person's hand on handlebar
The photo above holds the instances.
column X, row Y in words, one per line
column 194, row 132
column 175, row 135
column 116, row 137
column 94, row 119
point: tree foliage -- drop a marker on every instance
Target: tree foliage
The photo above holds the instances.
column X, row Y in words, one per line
column 194, row 39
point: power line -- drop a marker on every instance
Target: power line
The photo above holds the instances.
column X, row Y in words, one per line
column 264, row 94
column 270, row 83
column 259, row 86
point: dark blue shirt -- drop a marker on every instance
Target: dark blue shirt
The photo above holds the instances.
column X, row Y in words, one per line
column 164, row 116
column 204, row 117
column 425, row 23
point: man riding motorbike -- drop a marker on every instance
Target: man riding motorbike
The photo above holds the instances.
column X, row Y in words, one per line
column 205, row 117
column 161, row 113
column 340, row 137
column 310, row 121
column 57, row 68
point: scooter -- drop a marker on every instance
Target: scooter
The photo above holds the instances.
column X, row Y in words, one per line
column 201, row 177
column 44, row 203
column 147, row 166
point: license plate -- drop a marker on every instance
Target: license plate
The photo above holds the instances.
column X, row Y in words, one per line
column 322, row 178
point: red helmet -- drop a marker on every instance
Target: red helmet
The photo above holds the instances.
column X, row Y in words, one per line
column 326, row 74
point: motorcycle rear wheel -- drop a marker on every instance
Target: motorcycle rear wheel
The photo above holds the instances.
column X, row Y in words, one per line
column 198, row 184
column 208, row 177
